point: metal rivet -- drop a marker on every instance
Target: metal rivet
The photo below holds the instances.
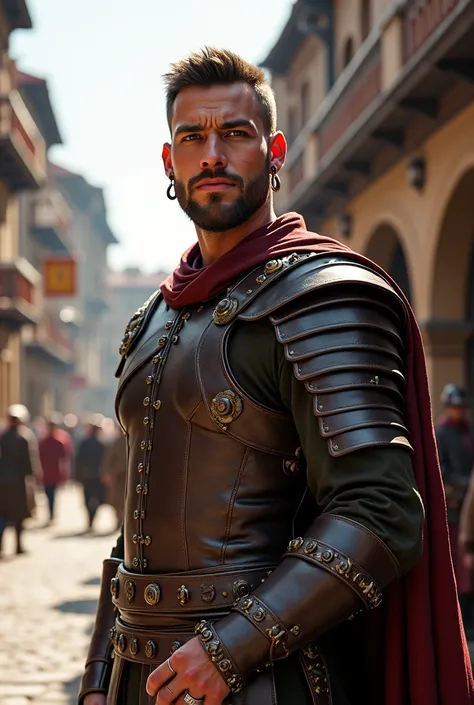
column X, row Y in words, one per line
column 320, row 407
column 224, row 593
column 162, row 341
column 147, row 540
column 140, row 467
column 136, row 514
column 260, row 279
column 249, row 291
column 157, row 404
column 135, row 538
column 146, row 420
column 168, row 325
column 292, row 352
column 138, row 489
column 135, row 562
column 156, row 359
column 143, row 445
column 146, row 401
column 186, row 316
column 175, row 339
column 149, row 379
column 335, row 446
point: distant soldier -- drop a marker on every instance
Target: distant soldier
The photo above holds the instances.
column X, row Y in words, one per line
column 456, row 455
column 19, row 464
column 89, row 458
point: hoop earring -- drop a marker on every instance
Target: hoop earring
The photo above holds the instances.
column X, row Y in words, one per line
column 171, row 191
column 275, row 180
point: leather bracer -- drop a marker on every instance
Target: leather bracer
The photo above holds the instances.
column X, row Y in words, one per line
column 99, row 658
column 337, row 570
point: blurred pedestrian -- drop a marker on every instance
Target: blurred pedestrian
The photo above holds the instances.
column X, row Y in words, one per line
column 89, row 458
column 55, row 455
column 113, row 473
column 456, row 455
column 19, row 464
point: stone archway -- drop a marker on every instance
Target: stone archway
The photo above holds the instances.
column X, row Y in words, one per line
column 385, row 248
column 450, row 332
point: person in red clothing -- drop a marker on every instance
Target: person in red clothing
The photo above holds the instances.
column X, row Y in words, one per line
column 54, row 457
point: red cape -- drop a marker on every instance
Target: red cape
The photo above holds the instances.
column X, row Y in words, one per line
column 426, row 652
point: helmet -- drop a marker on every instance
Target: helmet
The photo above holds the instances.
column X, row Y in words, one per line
column 453, row 395
column 19, row 412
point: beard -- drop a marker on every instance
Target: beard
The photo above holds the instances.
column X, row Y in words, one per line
column 217, row 215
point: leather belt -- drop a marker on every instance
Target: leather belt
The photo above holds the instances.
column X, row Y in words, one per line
column 150, row 646
column 183, row 592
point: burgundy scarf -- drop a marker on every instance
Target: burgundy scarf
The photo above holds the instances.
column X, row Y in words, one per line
column 426, row 651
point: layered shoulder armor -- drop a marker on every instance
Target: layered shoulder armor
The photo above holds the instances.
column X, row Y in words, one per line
column 342, row 325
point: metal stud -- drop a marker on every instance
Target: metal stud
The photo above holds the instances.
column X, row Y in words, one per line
column 249, row 291
column 133, row 647
column 175, row 339
column 146, row 420
column 261, row 278
column 168, row 325
column 157, row 404
column 183, row 595
column 176, row 645
column 121, row 643
column 150, row 649
column 156, row 359
column 152, row 594
column 136, row 514
column 135, row 562
column 139, row 489
column 149, row 379
column 186, row 316
column 162, row 341
column 129, row 589
column 146, row 401
column 273, row 266
column 140, row 467
column 143, row 445
column 147, row 540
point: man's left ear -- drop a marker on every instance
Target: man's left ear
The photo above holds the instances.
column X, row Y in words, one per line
column 166, row 156
column 278, row 150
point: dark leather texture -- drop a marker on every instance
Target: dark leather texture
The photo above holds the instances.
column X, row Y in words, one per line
column 338, row 560
column 99, row 658
column 344, row 335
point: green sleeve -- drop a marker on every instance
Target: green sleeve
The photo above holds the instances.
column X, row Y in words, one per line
column 375, row 486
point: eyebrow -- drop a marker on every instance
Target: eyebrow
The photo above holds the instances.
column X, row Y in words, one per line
column 228, row 125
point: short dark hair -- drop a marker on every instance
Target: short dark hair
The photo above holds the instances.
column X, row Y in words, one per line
column 211, row 66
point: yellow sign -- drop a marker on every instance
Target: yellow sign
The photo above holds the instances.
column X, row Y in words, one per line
column 60, row 277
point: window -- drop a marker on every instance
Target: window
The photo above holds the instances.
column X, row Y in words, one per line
column 365, row 19
column 348, row 52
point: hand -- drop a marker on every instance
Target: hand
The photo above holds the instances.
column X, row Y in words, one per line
column 195, row 674
column 468, row 561
column 95, row 699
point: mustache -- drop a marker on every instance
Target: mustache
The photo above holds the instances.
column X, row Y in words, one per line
column 207, row 174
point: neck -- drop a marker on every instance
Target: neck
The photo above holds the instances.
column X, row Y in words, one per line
column 214, row 245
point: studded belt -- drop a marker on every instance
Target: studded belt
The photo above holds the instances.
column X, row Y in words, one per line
column 189, row 592
column 150, row 646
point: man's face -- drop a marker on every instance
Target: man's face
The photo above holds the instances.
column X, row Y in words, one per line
column 220, row 155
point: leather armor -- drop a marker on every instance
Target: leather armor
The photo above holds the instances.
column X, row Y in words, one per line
column 211, row 479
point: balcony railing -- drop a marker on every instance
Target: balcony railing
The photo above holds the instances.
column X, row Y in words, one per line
column 422, row 17
column 51, row 221
column 363, row 90
column 18, row 292
column 22, row 147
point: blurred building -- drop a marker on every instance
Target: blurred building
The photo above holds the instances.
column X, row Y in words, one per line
column 22, row 167
column 377, row 100
column 87, row 310
column 47, row 356
column 128, row 290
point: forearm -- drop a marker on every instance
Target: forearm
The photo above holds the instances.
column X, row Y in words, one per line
column 337, row 570
column 99, row 658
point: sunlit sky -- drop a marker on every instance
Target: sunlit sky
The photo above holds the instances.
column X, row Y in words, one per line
column 103, row 60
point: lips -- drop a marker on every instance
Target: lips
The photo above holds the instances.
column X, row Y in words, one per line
column 215, row 185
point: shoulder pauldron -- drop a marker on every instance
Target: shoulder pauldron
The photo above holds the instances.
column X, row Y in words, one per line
column 342, row 326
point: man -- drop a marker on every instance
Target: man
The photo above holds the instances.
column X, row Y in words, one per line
column 113, row 472
column 271, row 503
column 18, row 467
column 89, row 458
column 54, row 456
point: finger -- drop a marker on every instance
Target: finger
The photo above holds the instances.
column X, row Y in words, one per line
column 168, row 694
column 158, row 678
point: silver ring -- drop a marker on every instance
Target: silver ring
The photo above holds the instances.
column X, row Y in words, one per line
column 189, row 700
column 170, row 666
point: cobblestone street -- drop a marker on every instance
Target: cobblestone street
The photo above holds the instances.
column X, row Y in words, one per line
column 47, row 602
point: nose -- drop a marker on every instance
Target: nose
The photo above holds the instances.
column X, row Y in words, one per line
column 213, row 157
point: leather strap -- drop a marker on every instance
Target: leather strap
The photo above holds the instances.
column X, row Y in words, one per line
column 98, row 665
column 186, row 592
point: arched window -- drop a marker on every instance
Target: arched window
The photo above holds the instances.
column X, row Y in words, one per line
column 348, row 52
column 365, row 19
